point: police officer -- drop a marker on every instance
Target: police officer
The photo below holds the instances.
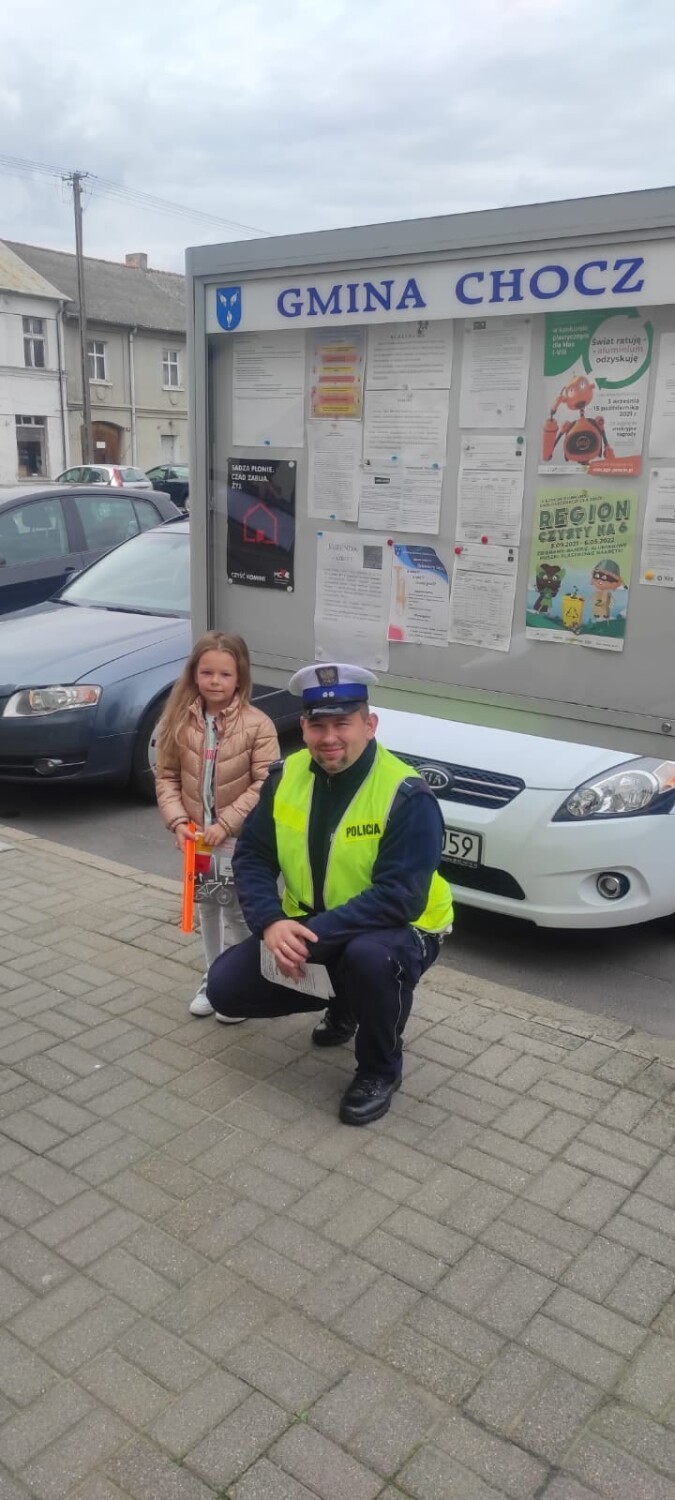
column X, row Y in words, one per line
column 356, row 836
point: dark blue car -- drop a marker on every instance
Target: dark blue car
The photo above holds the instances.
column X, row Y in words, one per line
column 84, row 676
column 48, row 532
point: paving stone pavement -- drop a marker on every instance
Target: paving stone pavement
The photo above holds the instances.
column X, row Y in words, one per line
column 211, row 1288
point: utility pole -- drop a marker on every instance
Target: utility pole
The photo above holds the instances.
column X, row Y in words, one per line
column 85, row 431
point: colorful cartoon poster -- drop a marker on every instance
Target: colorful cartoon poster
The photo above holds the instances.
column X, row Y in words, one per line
column 261, row 522
column 419, row 597
column 580, row 565
column 338, row 362
column 596, row 378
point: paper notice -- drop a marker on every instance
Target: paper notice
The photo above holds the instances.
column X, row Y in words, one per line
column 315, row 980
column 490, row 488
column 353, row 589
column 662, row 434
column 413, row 355
column 406, row 427
column 596, row 380
column 419, row 597
column 334, row 468
column 495, row 372
column 337, row 375
column 261, row 522
column 268, row 390
column 400, row 499
column 657, row 562
column 482, row 596
column 580, row 565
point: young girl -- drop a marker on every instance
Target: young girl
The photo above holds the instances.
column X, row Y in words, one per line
column 213, row 753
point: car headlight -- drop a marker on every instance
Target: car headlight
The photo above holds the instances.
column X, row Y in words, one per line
column 638, row 786
column 31, row 702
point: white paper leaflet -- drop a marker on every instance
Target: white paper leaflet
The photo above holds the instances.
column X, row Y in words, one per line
column 413, row 355
column 657, row 562
column 334, row 450
column 482, row 596
column 406, row 427
column 353, row 588
column 419, row 597
column 495, row 372
column 268, row 390
column 490, row 488
column 315, row 980
column 404, row 499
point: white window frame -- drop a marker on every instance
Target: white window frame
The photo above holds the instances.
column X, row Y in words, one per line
column 171, row 363
column 39, row 424
column 34, row 338
column 97, row 349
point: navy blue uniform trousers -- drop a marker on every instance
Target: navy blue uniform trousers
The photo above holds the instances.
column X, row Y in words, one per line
column 373, row 975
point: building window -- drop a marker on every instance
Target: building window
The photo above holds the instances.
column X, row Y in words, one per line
column 33, row 343
column 171, row 368
column 31, row 447
column 96, row 351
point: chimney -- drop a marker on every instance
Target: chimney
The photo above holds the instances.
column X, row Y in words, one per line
column 137, row 260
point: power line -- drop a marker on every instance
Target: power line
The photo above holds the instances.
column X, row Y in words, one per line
column 16, row 166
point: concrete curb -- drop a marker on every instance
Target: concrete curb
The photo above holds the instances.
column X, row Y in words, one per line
column 550, row 1013
column 442, row 980
column 16, row 836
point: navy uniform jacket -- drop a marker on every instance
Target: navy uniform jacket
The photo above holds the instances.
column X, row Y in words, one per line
column 408, row 855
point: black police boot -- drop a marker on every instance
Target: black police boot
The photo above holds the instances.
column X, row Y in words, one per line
column 334, row 1029
column 367, row 1098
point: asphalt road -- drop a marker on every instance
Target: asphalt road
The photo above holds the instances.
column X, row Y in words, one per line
column 627, row 974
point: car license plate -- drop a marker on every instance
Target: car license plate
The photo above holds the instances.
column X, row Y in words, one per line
column 462, row 848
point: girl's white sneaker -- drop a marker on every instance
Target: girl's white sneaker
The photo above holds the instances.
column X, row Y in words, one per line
column 200, row 1006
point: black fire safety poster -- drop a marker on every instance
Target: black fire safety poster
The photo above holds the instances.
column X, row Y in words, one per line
column 261, row 522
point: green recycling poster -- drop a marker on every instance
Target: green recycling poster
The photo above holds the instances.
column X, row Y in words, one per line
column 596, row 379
column 580, row 565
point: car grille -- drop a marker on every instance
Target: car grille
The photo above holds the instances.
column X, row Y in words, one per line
column 24, row 767
column 465, row 784
column 494, row 882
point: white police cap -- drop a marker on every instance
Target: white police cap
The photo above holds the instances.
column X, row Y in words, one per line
column 331, row 688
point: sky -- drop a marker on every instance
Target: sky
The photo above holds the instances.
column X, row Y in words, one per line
column 289, row 115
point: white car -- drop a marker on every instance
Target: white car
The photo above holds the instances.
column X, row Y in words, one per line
column 117, row 475
column 565, row 835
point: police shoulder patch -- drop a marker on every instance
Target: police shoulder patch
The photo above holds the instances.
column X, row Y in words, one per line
column 274, row 772
column 415, row 786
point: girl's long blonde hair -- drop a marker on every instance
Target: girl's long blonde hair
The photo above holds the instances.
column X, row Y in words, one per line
column 184, row 692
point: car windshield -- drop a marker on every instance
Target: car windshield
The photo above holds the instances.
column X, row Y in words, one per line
column 149, row 575
column 130, row 474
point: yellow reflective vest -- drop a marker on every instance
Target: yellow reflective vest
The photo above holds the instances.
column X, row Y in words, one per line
column 354, row 845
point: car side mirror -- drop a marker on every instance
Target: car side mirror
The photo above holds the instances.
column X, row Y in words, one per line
column 3, row 562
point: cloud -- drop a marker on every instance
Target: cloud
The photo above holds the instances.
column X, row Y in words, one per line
column 304, row 114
